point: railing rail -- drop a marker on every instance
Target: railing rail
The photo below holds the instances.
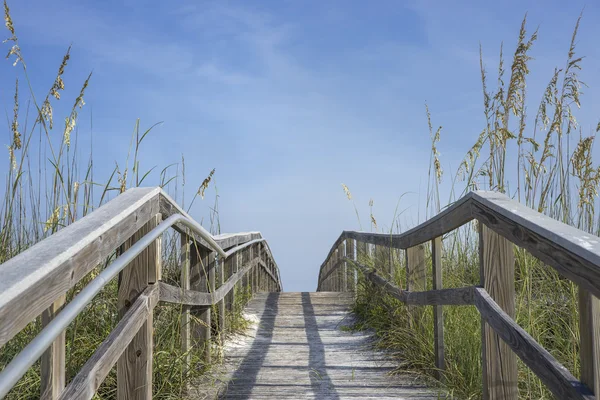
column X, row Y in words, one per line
column 502, row 223
column 37, row 280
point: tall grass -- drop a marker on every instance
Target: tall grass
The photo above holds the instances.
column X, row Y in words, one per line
column 552, row 176
column 49, row 185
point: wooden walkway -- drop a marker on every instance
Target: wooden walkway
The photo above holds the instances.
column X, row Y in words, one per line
column 298, row 349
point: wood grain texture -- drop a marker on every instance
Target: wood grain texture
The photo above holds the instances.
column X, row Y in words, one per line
column 589, row 333
column 134, row 367
column 185, row 262
column 96, row 369
column 52, row 363
column 438, row 315
column 498, row 271
column 556, row 377
column 34, row 279
column 298, row 349
column 416, row 281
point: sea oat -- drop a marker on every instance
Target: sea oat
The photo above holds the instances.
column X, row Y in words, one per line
column 15, row 122
column 205, row 183
column 347, row 192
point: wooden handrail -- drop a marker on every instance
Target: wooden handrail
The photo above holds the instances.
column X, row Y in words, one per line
column 34, row 280
column 504, row 222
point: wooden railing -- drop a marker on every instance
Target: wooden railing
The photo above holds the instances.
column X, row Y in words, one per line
column 36, row 281
column 502, row 222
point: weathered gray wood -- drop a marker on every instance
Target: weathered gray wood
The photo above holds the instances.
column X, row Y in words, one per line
column 95, row 370
column 33, row 280
column 298, row 349
column 498, row 271
column 221, row 302
column 589, row 333
column 572, row 252
column 438, row 316
column 556, row 377
column 134, row 367
column 52, row 368
column 201, row 328
column 350, row 282
column 416, row 280
column 185, row 261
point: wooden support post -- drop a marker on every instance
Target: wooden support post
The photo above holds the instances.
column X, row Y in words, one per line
column 589, row 332
column 497, row 272
column 350, row 282
column 438, row 316
column 185, row 260
column 134, row 367
column 221, row 305
column 336, row 276
column 229, row 268
column 416, row 279
column 200, row 282
column 53, row 360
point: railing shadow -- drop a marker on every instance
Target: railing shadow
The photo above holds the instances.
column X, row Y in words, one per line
column 320, row 381
column 246, row 373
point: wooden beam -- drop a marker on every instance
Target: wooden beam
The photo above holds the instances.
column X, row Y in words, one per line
column 33, row 280
column 96, row 369
column 552, row 374
column 416, row 279
column 52, row 368
column 498, row 279
column 589, row 332
column 134, row 367
column 438, row 315
column 185, row 262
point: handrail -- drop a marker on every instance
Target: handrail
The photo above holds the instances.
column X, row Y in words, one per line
column 575, row 254
column 572, row 252
column 94, row 232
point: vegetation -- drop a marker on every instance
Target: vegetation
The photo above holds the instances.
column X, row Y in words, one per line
column 550, row 178
column 42, row 197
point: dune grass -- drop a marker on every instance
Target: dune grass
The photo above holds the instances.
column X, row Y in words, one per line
column 49, row 185
column 554, row 173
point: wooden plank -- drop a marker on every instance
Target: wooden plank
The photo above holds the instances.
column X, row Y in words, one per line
column 221, row 302
column 134, row 367
column 555, row 376
column 185, row 261
column 498, row 271
column 589, row 333
column 96, row 369
column 52, row 368
column 33, row 280
column 438, row 315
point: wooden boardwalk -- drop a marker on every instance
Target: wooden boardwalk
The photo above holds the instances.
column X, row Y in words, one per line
column 298, row 349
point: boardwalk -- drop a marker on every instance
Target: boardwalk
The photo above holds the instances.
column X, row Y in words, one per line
column 299, row 350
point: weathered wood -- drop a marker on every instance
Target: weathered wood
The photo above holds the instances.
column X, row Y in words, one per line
column 438, row 315
column 33, row 280
column 201, row 328
column 416, row 280
column 350, row 281
column 134, row 367
column 589, row 332
column 221, row 302
column 185, row 262
column 52, row 368
column 555, row 376
column 498, row 272
column 95, row 370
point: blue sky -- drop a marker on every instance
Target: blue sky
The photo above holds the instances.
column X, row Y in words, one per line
column 288, row 99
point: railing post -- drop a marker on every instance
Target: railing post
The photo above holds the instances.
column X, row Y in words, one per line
column 416, row 279
column 134, row 367
column 203, row 262
column 336, row 272
column 221, row 305
column 53, row 360
column 350, row 282
column 438, row 315
column 229, row 268
column 185, row 310
column 497, row 270
column 589, row 333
